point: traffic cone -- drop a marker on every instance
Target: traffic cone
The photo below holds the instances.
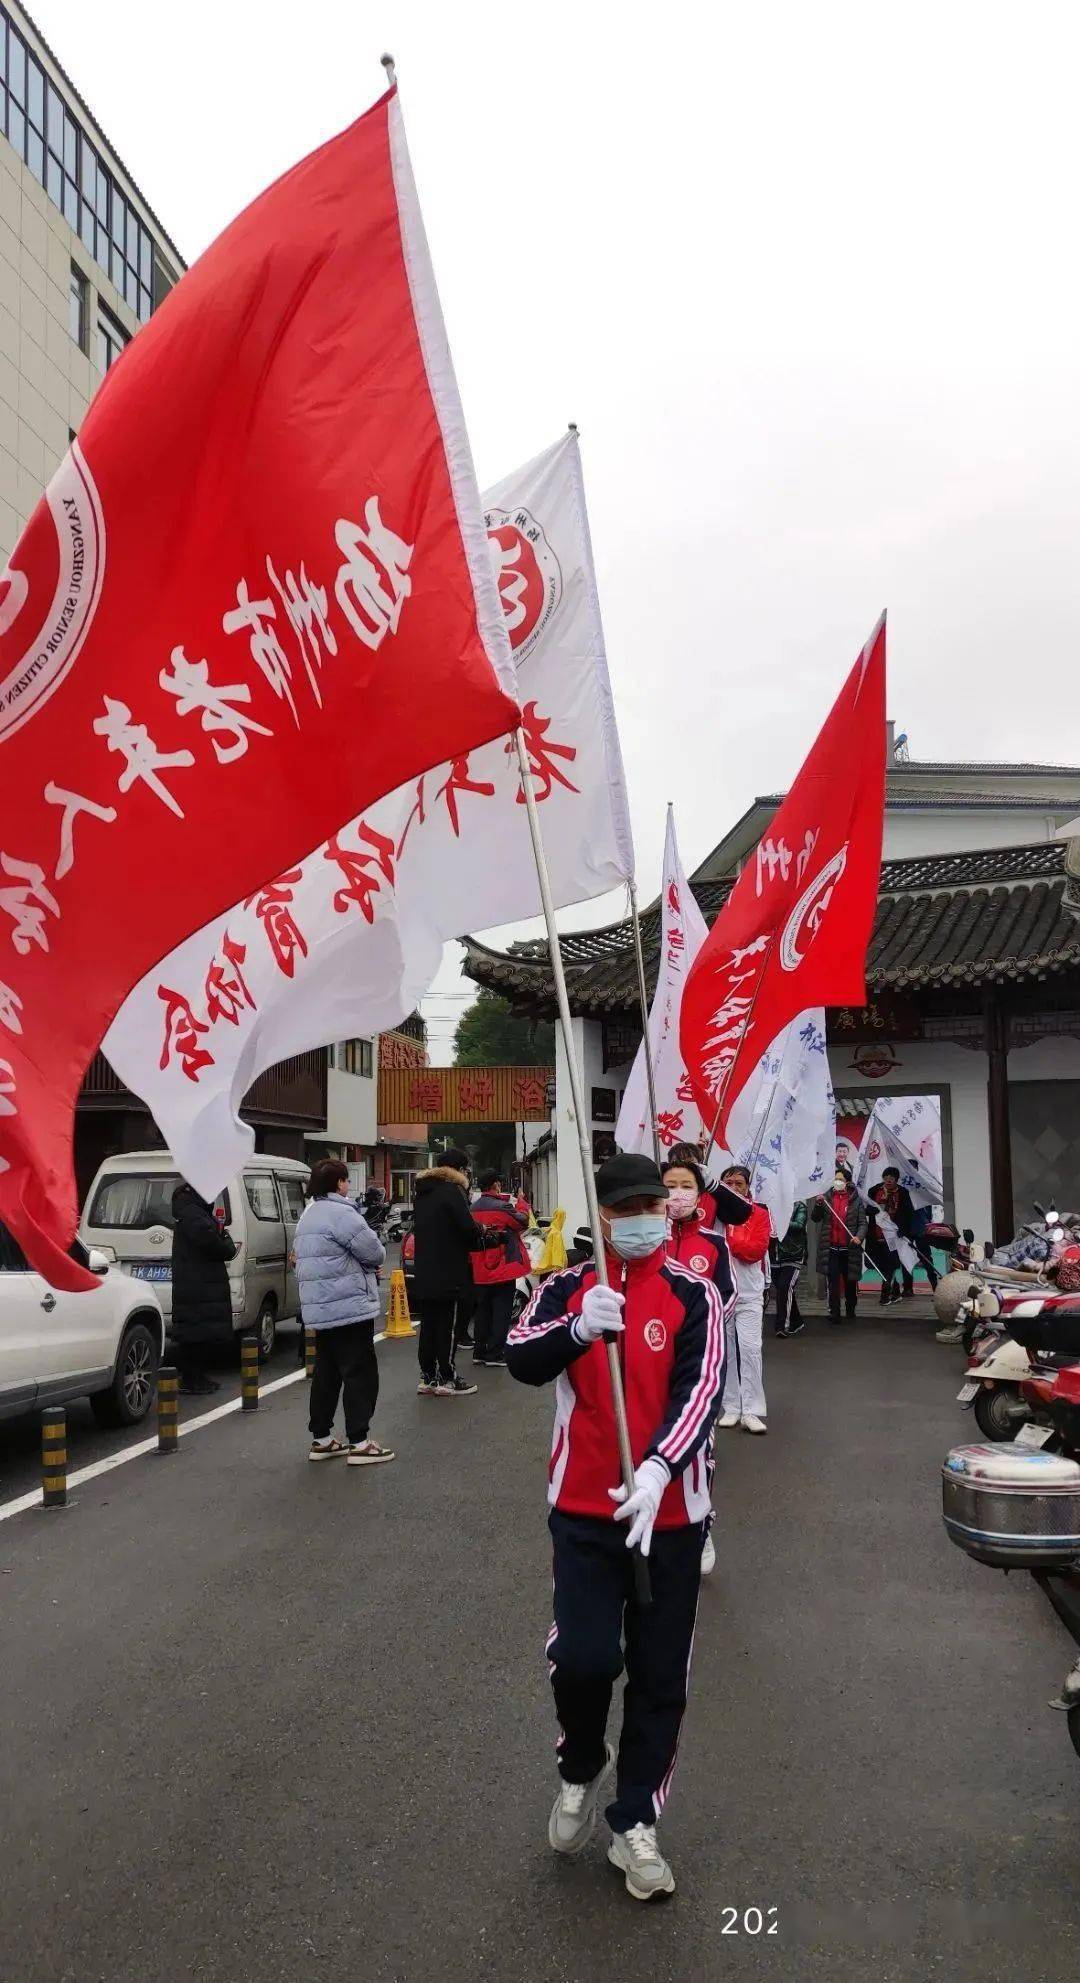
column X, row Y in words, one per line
column 397, row 1314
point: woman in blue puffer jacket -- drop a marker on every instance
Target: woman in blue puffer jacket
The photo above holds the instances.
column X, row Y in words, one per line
column 337, row 1263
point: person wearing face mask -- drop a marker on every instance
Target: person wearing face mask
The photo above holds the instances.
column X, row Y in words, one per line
column 717, row 1205
column 744, row 1391
column 668, row 1321
column 842, row 1217
column 704, row 1250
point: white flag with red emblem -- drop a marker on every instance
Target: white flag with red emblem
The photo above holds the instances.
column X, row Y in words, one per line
column 348, row 940
column 682, row 933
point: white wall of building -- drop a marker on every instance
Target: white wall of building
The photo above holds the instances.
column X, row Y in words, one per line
column 351, row 1115
column 911, row 834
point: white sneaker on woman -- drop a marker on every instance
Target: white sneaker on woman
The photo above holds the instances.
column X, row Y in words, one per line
column 708, row 1556
column 726, row 1420
column 752, row 1423
column 573, row 1814
column 637, row 1855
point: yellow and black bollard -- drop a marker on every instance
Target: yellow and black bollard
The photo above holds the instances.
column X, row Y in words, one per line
column 249, row 1373
column 54, row 1492
column 309, row 1352
column 168, row 1410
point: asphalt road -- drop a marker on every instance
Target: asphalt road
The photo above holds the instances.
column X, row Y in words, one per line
column 20, row 1438
column 262, row 1719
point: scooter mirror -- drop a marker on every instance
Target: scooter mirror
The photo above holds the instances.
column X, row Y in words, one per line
column 968, row 1234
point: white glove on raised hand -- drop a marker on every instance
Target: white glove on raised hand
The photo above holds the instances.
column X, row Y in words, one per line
column 601, row 1311
column 640, row 1508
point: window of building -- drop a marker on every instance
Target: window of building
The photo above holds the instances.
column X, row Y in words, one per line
column 355, row 1057
column 78, row 313
column 112, row 337
column 45, row 133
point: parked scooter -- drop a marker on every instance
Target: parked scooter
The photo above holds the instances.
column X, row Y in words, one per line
column 1020, row 1265
column 1020, row 1507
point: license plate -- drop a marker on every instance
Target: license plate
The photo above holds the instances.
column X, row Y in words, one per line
column 968, row 1392
column 149, row 1270
column 1033, row 1435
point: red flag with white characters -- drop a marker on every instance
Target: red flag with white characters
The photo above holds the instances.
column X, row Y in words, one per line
column 793, row 932
column 256, row 596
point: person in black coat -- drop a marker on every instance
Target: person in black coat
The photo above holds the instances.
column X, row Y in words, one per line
column 445, row 1234
column 201, row 1302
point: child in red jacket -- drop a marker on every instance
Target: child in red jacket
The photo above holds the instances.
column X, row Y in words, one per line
column 744, row 1390
column 668, row 1322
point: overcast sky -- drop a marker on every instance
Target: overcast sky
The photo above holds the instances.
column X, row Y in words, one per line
column 806, row 277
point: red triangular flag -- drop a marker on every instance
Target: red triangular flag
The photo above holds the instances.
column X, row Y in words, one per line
column 794, row 930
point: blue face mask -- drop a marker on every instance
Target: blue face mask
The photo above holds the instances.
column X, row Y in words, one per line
column 638, row 1236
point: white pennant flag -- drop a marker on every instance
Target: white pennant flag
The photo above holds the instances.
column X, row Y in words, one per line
column 783, row 1124
column 348, row 941
column 682, row 933
column 903, row 1131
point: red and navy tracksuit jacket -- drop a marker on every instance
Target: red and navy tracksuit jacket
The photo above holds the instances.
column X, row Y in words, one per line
column 504, row 1257
column 672, row 1354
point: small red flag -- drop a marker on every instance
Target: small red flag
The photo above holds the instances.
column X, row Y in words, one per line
column 793, row 932
column 256, row 596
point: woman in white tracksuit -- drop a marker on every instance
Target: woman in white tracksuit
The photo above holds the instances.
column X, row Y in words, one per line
column 744, row 1390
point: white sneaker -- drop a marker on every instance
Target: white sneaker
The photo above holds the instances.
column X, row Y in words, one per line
column 708, row 1556
column 953, row 1334
column 637, row 1855
column 751, row 1423
column 573, row 1814
column 726, row 1420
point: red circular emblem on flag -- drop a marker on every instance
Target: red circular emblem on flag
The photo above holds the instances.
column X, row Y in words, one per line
column 527, row 573
column 655, row 1335
column 700, row 1263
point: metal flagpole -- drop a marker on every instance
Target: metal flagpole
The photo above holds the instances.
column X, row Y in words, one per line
column 861, row 1244
column 626, row 1457
column 391, row 73
column 643, row 996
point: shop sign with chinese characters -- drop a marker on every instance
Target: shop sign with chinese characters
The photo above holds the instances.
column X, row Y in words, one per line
column 464, row 1094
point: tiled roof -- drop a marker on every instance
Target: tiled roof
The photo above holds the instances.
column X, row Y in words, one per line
column 944, row 919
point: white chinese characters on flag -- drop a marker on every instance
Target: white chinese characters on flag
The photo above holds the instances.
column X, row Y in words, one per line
column 783, row 1125
column 682, row 933
column 255, row 597
column 348, row 940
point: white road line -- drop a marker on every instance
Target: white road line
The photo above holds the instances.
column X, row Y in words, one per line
column 28, row 1501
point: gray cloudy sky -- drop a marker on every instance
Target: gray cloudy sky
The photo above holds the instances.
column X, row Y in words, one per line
column 805, row 277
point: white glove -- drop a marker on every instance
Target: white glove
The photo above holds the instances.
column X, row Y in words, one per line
column 601, row 1311
column 640, row 1508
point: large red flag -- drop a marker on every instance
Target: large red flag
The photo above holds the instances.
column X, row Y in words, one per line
column 256, row 596
column 794, row 930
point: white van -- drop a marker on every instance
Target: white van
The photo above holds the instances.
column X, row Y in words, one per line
column 128, row 1217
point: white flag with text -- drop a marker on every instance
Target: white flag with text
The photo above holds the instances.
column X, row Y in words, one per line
column 682, row 933
column 783, row 1124
column 348, row 940
column 903, row 1132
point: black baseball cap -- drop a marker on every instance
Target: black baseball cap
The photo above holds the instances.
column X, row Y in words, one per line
column 628, row 1176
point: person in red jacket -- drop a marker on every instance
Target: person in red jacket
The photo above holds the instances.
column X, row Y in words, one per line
column 497, row 1269
column 668, row 1319
column 744, row 1391
column 694, row 1239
